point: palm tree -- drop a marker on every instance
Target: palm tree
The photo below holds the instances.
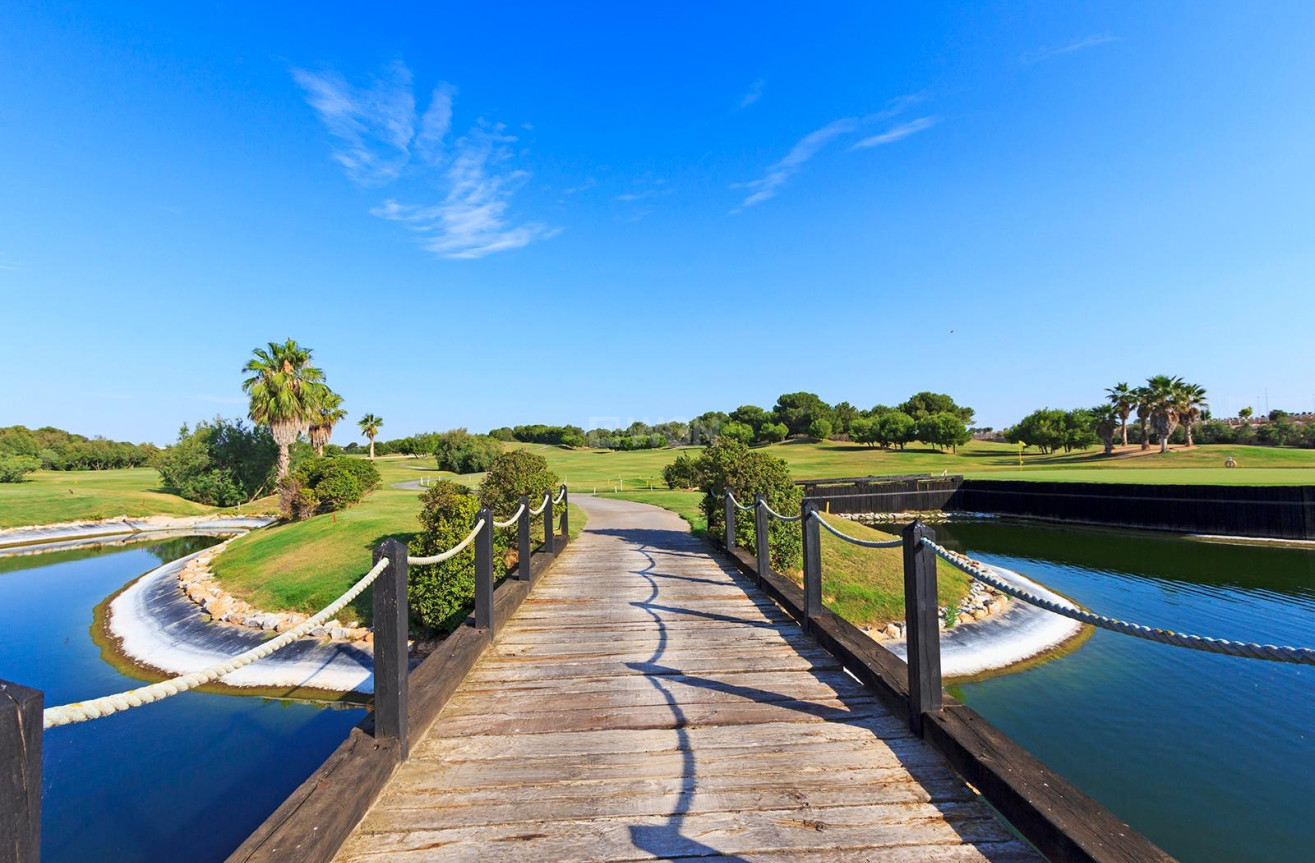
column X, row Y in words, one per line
column 370, row 427
column 1106, row 421
column 1191, row 405
column 1123, row 399
column 285, row 391
column 1143, row 406
column 1165, row 397
column 330, row 414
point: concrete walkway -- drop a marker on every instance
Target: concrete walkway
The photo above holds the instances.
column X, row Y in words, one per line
column 646, row 702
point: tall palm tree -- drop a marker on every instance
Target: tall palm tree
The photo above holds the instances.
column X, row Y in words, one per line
column 285, row 390
column 330, row 413
column 1191, row 405
column 370, row 427
column 1142, row 405
column 1123, row 399
column 1106, row 421
column 1165, row 397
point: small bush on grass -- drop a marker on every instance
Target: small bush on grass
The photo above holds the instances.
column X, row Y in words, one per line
column 326, row 485
column 682, row 473
column 729, row 464
column 14, row 468
column 441, row 595
column 462, row 452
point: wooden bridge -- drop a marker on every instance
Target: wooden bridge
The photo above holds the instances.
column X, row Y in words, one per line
column 641, row 695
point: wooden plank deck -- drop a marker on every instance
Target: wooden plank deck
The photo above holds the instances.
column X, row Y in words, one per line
column 647, row 703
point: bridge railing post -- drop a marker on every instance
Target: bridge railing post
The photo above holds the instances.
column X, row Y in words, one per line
column 484, row 572
column 549, row 540
column 566, row 511
column 20, row 773
column 921, row 625
column 761, row 541
column 728, row 536
column 390, row 654
column 523, row 552
column 812, row 562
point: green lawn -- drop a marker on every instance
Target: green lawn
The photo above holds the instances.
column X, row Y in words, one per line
column 51, row 496
column 605, row 471
column 305, row 565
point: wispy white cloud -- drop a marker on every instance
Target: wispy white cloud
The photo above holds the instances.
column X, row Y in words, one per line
column 1079, row 45
column 379, row 138
column 778, row 174
column 765, row 188
column 899, row 132
column 472, row 221
column 754, row 93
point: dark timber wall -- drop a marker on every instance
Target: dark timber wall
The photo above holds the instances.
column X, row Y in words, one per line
column 1282, row 512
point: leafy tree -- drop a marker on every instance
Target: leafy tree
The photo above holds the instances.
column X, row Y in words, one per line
column 502, row 434
column 798, row 410
column 925, row 404
column 13, row 468
column 843, row 416
column 1043, row 429
column 863, row 430
column 943, row 430
column 220, row 462
column 441, row 595
column 514, row 473
column 462, row 452
column 894, row 428
column 682, row 473
column 706, row 427
column 751, row 415
column 736, row 431
column 285, row 392
column 820, row 428
column 1246, row 413
column 770, row 432
column 1079, row 429
column 729, row 464
column 370, row 425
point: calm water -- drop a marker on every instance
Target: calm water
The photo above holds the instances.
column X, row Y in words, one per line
column 1212, row 757
column 184, row 779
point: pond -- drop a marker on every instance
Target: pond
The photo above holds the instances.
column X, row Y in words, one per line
column 1211, row 757
column 187, row 778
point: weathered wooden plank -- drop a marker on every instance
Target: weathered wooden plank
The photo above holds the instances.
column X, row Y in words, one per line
column 20, row 773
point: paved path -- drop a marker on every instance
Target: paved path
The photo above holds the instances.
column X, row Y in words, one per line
column 646, row 703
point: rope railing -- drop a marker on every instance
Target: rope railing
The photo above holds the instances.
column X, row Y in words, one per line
column 776, row 515
column 542, row 504
column 81, row 711
column 512, row 519
column 1247, row 649
column 451, row 552
column 730, row 495
column 561, row 495
column 864, row 543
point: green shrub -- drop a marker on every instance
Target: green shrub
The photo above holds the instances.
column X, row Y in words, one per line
column 515, row 473
column 820, row 428
column 220, row 462
column 772, row 432
column 460, row 451
column 13, row 468
column 326, row 485
column 729, row 464
column 682, row 473
column 441, row 595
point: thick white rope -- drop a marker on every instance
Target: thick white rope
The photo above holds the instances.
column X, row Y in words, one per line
column 741, row 507
column 560, row 495
column 542, row 506
column 865, row 543
column 1250, row 650
column 512, row 520
column 776, row 515
column 451, row 552
column 81, row 711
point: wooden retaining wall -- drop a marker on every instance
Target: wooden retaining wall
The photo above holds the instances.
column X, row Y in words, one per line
column 1278, row 512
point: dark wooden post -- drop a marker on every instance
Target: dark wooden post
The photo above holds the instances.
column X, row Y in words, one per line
column 20, row 773
column 549, row 543
column 484, row 572
column 761, row 541
column 523, row 552
column 390, row 655
column 728, row 536
column 921, row 625
column 566, row 512
column 812, row 562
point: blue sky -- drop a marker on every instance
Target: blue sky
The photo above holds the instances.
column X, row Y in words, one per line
column 488, row 216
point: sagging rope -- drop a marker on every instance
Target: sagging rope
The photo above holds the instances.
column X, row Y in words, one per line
column 1247, row 649
column 512, row 519
column 561, row 495
column 451, row 552
column 81, row 711
column 776, row 515
column 542, row 505
column 741, row 507
column 865, row 543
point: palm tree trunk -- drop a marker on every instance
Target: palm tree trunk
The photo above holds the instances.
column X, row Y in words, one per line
column 371, row 449
column 285, row 461
column 1124, row 424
